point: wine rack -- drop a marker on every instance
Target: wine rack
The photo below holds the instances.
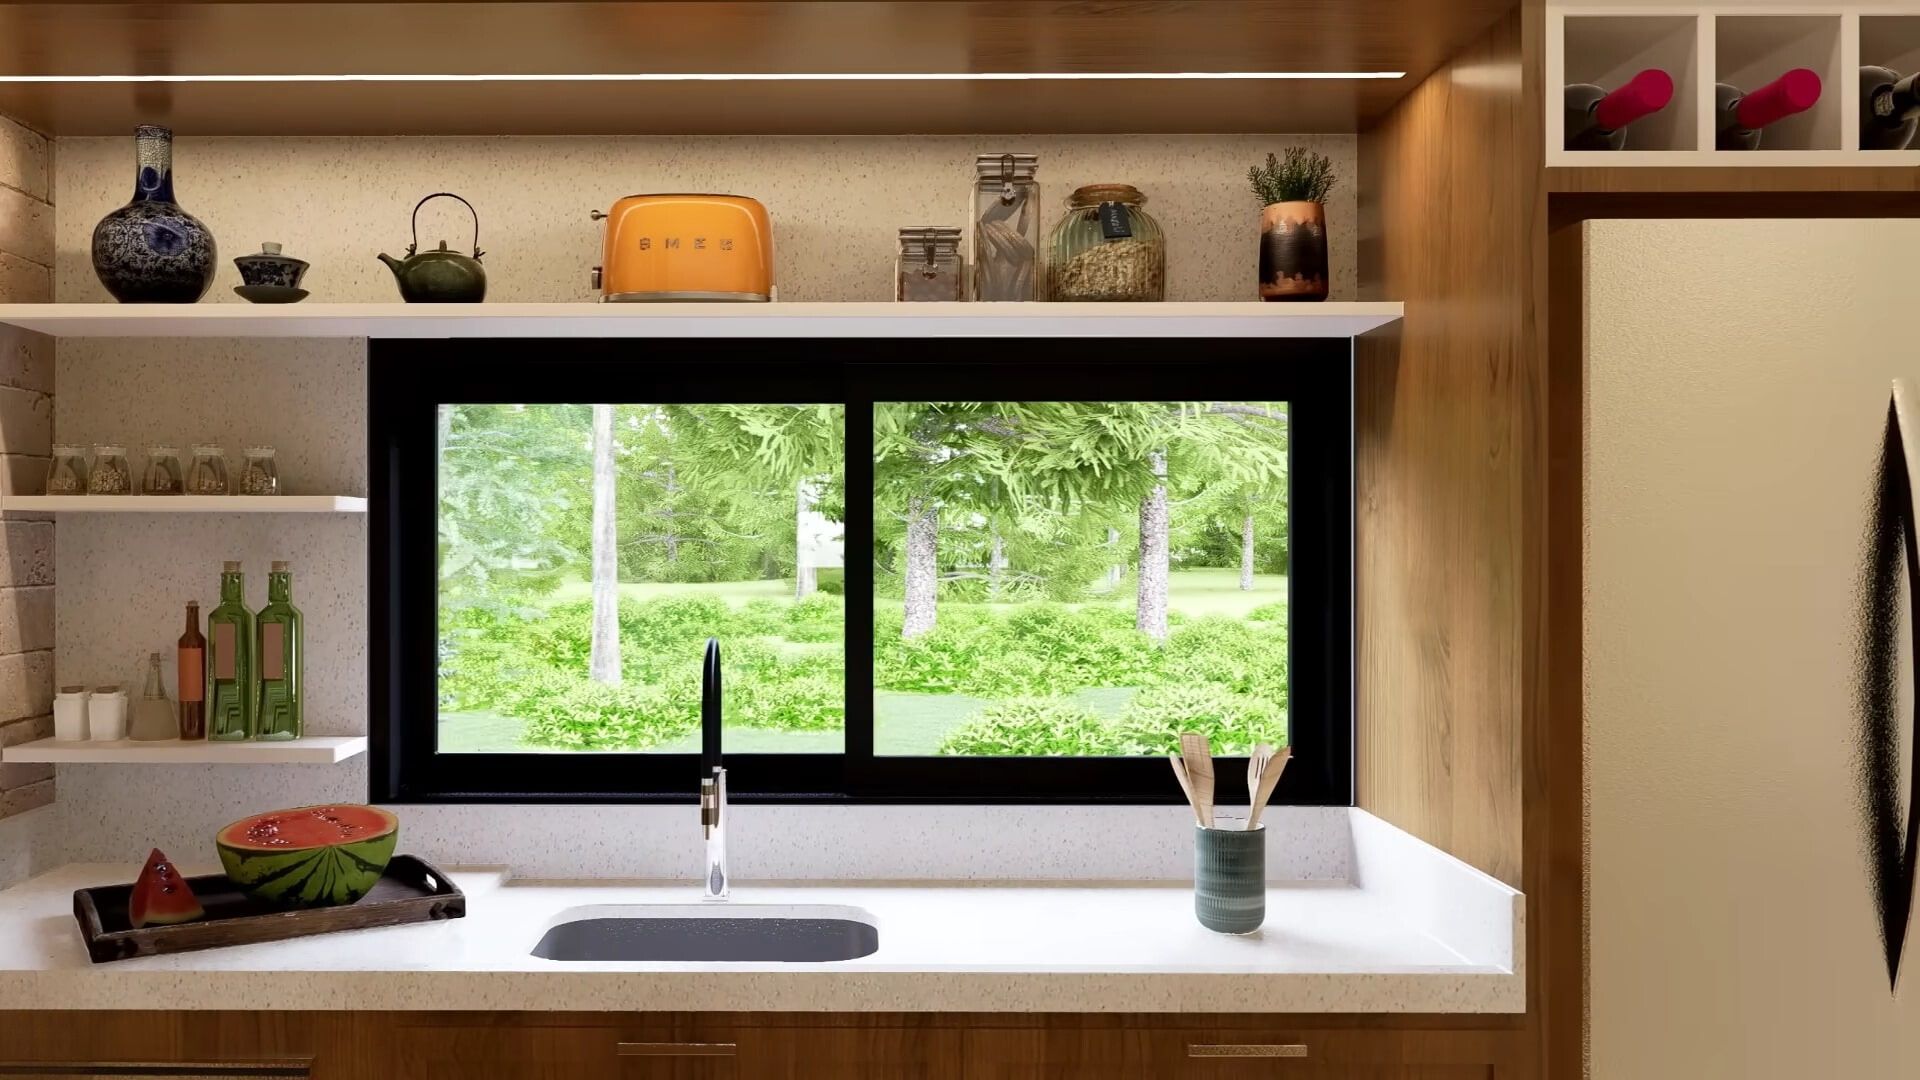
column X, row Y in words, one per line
column 1744, row 45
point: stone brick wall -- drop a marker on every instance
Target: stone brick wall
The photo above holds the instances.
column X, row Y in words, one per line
column 26, row 436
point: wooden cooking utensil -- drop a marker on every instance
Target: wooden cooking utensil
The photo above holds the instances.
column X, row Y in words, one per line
column 1269, row 777
column 1199, row 761
column 1256, row 764
column 1186, row 785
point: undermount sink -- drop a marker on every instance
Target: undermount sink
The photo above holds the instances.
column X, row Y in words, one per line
column 746, row 933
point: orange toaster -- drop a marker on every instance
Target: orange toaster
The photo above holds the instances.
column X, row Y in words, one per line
column 686, row 247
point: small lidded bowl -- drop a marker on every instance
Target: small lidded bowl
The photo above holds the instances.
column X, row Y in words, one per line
column 271, row 268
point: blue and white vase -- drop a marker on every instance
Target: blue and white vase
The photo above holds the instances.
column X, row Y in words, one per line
column 150, row 251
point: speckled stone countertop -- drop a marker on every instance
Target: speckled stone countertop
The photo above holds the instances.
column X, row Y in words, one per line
column 1415, row 931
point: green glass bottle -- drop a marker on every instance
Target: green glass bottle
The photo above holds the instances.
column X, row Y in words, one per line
column 231, row 683
column 279, row 649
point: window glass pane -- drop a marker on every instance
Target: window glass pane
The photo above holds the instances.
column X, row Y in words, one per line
column 1079, row 578
column 587, row 552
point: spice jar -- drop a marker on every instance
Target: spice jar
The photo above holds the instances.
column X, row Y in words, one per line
column 110, row 475
column 163, row 475
column 930, row 266
column 68, row 473
column 1107, row 248
column 258, row 476
column 208, row 473
column 1006, row 227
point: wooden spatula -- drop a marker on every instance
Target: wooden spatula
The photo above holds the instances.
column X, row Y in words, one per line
column 1269, row 776
column 1199, row 762
column 1180, row 772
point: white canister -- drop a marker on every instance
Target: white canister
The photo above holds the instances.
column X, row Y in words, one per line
column 107, row 714
column 70, row 714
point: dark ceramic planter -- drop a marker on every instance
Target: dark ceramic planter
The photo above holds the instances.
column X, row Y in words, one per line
column 150, row 251
column 1293, row 251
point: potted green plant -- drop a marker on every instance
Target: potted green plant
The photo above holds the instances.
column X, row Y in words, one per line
column 1293, row 226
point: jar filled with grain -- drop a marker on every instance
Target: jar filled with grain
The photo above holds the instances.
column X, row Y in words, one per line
column 208, row 473
column 1107, row 248
column 67, row 475
column 259, row 476
column 930, row 266
column 110, row 474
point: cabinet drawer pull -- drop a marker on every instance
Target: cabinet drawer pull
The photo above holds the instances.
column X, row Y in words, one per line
column 676, row 1049
column 1246, row 1050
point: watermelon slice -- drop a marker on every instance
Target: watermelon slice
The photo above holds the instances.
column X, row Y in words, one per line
column 161, row 897
column 310, row 856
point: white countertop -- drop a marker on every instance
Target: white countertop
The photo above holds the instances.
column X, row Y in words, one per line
column 1423, row 935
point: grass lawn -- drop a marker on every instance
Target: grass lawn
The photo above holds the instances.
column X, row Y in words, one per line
column 736, row 593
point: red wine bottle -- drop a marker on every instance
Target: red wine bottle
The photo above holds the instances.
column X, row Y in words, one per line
column 1739, row 117
column 1889, row 109
column 1597, row 119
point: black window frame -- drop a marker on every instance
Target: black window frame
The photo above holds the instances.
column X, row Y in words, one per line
column 408, row 379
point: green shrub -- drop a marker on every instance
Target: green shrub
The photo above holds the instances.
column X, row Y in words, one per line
column 586, row 715
column 1274, row 613
column 798, row 700
column 1232, row 723
column 820, row 617
column 1030, row 727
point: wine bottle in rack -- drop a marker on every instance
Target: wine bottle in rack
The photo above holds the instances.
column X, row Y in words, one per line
column 1597, row 118
column 1889, row 109
column 1741, row 115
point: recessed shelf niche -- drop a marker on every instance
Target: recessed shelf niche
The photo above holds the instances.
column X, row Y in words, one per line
column 1753, row 50
column 1889, row 41
column 1608, row 50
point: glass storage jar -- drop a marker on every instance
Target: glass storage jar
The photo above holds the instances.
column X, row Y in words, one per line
column 1107, row 248
column 163, row 475
column 67, row 475
column 258, row 475
column 110, row 475
column 930, row 266
column 1006, row 227
column 208, row 473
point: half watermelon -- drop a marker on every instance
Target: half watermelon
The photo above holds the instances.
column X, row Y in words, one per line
column 310, row 856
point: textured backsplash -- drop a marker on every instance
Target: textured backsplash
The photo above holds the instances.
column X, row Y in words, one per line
column 836, row 203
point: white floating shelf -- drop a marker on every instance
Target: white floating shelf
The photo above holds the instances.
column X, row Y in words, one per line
column 315, row 750
column 1252, row 319
column 188, row 504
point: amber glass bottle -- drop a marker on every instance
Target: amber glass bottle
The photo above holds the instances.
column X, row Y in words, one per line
column 193, row 677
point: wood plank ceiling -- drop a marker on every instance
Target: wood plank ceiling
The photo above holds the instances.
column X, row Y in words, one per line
column 518, row 38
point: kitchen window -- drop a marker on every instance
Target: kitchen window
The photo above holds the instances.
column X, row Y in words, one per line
column 920, row 594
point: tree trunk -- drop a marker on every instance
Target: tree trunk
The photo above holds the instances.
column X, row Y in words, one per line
column 805, row 578
column 1150, row 610
column 603, row 664
column 923, row 577
column 1117, row 570
column 1246, row 553
column 996, row 566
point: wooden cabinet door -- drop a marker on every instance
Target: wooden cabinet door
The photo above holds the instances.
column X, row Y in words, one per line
column 506, row 1051
column 848, row 1053
column 1095, row 1054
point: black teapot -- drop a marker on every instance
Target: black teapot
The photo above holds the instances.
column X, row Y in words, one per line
column 440, row 276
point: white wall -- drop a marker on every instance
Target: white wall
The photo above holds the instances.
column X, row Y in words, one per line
column 1738, row 378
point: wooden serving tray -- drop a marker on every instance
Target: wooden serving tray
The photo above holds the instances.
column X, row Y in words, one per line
column 411, row 891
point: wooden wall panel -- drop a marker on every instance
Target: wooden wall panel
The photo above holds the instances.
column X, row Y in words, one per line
column 1449, row 455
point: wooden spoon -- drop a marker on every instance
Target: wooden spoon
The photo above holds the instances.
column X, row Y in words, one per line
column 1269, row 777
column 1180, row 773
column 1199, row 762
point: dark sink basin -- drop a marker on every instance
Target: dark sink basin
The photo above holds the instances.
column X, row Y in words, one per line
column 731, row 932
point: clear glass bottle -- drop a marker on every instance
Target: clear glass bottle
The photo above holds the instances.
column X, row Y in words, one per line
column 151, row 716
column 1107, row 248
column 208, row 473
column 1006, row 227
column 258, row 476
column 164, row 475
column 280, row 629
column 110, row 475
column 67, row 475
column 930, row 266
column 231, row 682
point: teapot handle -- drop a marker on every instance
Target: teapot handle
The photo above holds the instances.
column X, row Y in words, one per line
column 411, row 248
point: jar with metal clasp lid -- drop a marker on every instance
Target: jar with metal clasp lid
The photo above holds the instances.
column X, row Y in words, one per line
column 1006, row 227
column 930, row 266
